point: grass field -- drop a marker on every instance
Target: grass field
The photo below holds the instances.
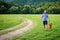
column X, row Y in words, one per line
column 38, row 33
column 7, row 21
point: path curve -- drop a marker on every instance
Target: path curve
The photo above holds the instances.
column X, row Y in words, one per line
column 21, row 31
column 13, row 28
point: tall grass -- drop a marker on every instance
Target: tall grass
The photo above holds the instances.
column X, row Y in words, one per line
column 38, row 33
column 7, row 21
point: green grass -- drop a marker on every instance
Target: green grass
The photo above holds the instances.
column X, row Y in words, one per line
column 38, row 33
column 7, row 21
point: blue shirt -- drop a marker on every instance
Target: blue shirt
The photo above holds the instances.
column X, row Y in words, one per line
column 45, row 17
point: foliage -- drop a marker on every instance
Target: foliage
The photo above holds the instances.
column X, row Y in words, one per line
column 37, row 8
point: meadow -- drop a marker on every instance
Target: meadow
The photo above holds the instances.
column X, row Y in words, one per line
column 38, row 32
column 7, row 21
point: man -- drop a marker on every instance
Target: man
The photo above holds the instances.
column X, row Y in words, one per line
column 45, row 19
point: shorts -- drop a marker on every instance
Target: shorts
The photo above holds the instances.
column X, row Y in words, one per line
column 45, row 22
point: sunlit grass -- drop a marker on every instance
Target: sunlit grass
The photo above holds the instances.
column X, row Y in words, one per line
column 38, row 33
column 7, row 21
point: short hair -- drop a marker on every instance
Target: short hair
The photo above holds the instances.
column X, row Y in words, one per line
column 44, row 10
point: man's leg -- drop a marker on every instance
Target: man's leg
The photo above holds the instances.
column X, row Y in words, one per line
column 44, row 24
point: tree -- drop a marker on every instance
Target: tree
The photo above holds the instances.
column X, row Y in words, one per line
column 27, row 9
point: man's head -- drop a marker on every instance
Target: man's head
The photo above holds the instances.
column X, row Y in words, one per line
column 44, row 11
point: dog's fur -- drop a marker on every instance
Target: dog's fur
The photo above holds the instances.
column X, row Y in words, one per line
column 50, row 25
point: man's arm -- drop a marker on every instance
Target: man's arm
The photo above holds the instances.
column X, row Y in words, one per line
column 48, row 19
column 41, row 16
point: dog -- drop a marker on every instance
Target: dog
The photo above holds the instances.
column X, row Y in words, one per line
column 50, row 25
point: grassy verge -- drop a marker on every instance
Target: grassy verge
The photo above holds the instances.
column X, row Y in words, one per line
column 10, row 21
column 38, row 33
column 7, row 21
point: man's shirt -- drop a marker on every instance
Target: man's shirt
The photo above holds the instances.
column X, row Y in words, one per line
column 45, row 17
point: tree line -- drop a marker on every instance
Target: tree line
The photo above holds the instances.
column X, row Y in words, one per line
column 9, row 8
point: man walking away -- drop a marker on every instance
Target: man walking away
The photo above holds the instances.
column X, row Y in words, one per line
column 45, row 19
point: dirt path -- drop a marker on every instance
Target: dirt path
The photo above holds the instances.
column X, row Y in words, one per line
column 21, row 31
column 21, row 25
